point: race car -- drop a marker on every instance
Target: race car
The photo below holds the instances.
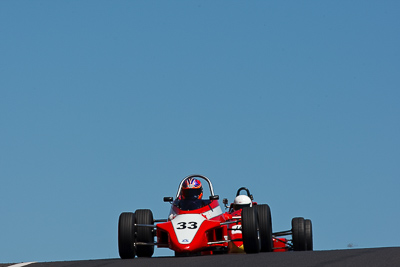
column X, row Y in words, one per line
column 198, row 226
column 301, row 231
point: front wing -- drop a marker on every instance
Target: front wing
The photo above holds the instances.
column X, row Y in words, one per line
column 208, row 235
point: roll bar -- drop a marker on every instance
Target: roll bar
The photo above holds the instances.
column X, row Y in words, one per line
column 247, row 191
column 195, row 176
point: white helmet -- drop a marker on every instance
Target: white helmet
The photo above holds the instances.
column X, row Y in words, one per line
column 241, row 201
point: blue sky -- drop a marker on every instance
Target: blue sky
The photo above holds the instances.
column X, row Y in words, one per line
column 106, row 105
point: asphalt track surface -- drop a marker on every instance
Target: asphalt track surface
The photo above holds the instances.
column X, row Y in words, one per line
column 351, row 257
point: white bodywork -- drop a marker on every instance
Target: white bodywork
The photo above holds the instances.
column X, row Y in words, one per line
column 208, row 214
column 186, row 226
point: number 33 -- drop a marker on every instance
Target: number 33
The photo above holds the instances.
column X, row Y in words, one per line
column 182, row 225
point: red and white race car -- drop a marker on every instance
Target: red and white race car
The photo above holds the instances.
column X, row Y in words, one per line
column 198, row 226
column 301, row 231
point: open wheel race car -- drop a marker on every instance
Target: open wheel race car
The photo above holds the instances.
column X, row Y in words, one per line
column 301, row 231
column 197, row 226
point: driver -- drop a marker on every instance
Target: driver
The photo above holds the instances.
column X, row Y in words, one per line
column 192, row 189
column 191, row 194
column 241, row 201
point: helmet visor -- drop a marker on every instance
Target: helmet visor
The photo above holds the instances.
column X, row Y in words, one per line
column 192, row 193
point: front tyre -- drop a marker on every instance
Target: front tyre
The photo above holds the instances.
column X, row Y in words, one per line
column 126, row 235
column 265, row 227
column 144, row 234
column 249, row 230
column 298, row 234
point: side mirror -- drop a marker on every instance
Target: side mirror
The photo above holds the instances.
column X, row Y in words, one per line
column 215, row 197
column 168, row 199
column 225, row 201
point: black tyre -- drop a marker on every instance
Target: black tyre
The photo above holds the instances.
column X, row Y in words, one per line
column 144, row 234
column 308, row 234
column 126, row 235
column 298, row 234
column 265, row 227
column 249, row 230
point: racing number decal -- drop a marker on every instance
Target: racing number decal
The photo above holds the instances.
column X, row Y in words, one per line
column 182, row 225
column 236, row 229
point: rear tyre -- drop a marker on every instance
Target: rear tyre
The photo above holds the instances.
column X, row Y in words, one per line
column 298, row 234
column 308, row 234
column 126, row 235
column 265, row 227
column 144, row 234
column 249, row 230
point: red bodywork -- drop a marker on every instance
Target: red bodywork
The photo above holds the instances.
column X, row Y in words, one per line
column 280, row 244
column 205, row 222
column 210, row 234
